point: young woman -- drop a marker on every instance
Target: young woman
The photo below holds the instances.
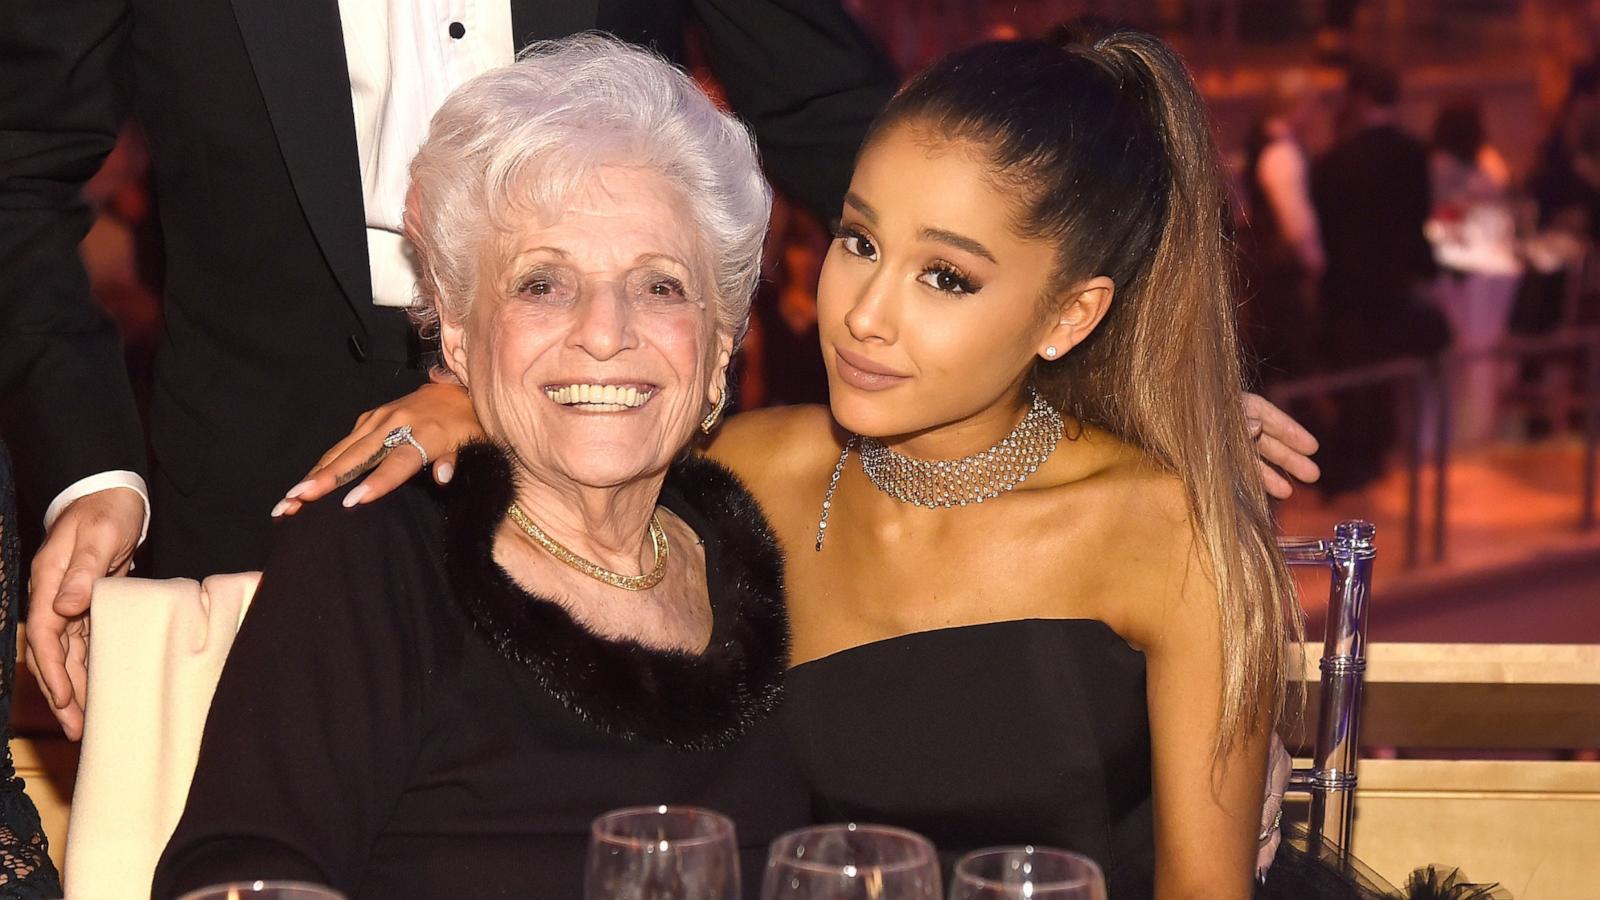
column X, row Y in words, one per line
column 1032, row 574
column 1033, row 586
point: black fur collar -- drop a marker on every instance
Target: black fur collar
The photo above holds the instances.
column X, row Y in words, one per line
column 625, row 689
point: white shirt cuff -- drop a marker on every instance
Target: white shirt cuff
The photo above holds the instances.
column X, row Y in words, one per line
column 83, row 487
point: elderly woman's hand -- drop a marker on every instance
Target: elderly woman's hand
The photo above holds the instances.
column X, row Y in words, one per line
column 441, row 420
column 1281, row 442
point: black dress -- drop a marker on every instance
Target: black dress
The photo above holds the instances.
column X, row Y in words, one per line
column 1033, row 731
column 1021, row 732
column 25, row 867
column 398, row 719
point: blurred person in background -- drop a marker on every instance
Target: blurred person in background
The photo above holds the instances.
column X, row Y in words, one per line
column 1473, row 231
column 1283, row 257
column 1372, row 194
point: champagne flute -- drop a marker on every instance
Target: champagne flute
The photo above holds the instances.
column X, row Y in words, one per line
column 851, row 862
column 264, row 890
column 662, row 853
column 1026, row 873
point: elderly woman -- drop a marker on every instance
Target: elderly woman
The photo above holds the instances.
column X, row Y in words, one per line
column 435, row 694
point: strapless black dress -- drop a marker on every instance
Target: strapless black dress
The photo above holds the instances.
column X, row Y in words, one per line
column 1033, row 731
column 1022, row 732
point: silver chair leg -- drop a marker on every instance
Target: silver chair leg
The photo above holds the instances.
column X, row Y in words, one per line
column 1331, row 781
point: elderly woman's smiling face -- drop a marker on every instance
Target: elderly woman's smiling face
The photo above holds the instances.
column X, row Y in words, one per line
column 591, row 347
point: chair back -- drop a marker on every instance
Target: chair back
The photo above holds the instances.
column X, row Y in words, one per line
column 1331, row 779
column 157, row 652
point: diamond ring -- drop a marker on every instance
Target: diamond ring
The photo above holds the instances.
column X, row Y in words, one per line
column 402, row 435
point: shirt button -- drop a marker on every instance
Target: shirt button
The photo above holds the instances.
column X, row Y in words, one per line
column 458, row 30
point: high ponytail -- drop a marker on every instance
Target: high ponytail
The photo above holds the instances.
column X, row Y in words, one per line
column 1107, row 140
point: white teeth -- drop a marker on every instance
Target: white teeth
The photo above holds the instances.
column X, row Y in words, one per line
column 598, row 397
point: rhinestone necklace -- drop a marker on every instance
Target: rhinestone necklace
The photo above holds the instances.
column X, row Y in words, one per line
column 658, row 540
column 946, row 483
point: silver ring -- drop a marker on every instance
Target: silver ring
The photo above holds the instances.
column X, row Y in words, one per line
column 402, row 435
column 1267, row 832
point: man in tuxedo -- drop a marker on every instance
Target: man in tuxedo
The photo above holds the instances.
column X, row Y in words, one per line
column 1372, row 196
column 280, row 131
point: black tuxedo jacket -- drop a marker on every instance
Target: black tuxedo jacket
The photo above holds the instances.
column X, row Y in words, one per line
column 272, row 345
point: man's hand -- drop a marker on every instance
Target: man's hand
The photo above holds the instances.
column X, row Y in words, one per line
column 93, row 537
column 1281, row 442
column 441, row 419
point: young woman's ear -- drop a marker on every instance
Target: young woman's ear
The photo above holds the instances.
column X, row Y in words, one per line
column 1078, row 312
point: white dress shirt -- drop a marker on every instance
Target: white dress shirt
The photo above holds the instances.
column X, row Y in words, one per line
column 404, row 58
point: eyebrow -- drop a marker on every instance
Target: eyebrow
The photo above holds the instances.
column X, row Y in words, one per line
column 556, row 251
column 959, row 241
column 862, row 206
column 657, row 256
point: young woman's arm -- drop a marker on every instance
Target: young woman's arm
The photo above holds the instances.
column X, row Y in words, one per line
column 1208, row 807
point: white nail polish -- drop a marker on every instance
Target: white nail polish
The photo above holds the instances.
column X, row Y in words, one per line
column 443, row 472
column 297, row 490
column 278, row 510
column 356, row 495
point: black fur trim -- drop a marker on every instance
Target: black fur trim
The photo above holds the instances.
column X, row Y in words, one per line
column 621, row 687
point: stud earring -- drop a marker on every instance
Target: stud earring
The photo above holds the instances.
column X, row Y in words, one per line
column 710, row 421
column 1049, row 353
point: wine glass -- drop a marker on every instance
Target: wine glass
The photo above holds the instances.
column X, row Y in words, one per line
column 1026, row 873
column 265, row 890
column 662, row 853
column 851, row 862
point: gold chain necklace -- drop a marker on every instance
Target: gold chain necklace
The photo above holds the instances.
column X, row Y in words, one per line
column 947, row 483
column 658, row 539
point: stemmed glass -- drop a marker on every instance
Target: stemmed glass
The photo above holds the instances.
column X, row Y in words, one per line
column 264, row 890
column 851, row 862
column 662, row 853
column 1026, row 873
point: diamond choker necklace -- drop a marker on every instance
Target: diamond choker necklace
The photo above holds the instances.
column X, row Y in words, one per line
column 946, row 483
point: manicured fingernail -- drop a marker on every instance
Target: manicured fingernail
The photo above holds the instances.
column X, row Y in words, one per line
column 278, row 510
column 297, row 490
column 443, row 472
column 356, row 495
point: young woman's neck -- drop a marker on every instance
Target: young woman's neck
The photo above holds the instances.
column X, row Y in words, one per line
column 969, row 435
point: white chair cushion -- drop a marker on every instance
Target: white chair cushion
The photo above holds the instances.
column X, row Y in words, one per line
column 156, row 650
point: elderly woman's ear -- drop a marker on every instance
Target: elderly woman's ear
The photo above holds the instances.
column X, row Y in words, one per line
column 453, row 346
column 718, row 387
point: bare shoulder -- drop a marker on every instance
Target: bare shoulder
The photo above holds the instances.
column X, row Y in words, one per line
column 778, row 445
column 1137, row 524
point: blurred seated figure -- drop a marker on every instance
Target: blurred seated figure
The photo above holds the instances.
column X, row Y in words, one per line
column 1473, row 231
column 434, row 693
column 25, row 866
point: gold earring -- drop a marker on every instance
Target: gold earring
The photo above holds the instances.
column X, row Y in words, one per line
column 710, row 421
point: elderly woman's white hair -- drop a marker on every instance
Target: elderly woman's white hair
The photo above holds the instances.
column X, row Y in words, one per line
column 519, row 139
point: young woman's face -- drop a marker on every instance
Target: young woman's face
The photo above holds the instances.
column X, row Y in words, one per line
column 931, row 307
